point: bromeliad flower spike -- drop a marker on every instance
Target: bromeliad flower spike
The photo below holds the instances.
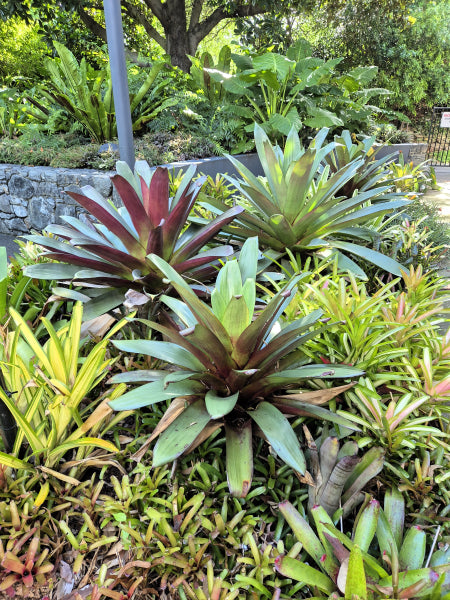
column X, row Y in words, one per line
column 229, row 365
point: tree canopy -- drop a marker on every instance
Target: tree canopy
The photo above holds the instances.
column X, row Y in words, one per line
column 178, row 26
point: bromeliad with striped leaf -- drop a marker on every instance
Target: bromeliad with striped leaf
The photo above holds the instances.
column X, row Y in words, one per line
column 111, row 246
column 226, row 363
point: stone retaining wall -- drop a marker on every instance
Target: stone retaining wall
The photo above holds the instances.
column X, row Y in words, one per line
column 33, row 197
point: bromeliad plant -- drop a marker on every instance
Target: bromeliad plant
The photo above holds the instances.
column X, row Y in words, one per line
column 112, row 247
column 230, row 361
column 339, row 474
column 371, row 174
column 352, row 565
column 300, row 204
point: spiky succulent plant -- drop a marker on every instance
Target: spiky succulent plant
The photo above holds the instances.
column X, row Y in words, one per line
column 225, row 365
column 111, row 246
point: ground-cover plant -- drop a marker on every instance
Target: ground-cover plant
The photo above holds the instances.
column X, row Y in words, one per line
column 413, row 178
column 393, row 423
column 21, row 569
column 228, row 357
column 111, row 248
column 300, row 205
column 375, row 330
column 397, row 567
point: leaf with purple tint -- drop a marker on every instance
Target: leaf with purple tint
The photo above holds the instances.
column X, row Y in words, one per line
column 109, row 219
column 156, row 196
column 206, row 234
column 252, row 338
column 204, row 339
column 134, row 206
column 281, row 343
column 113, row 255
column 203, row 258
column 181, row 340
column 178, row 217
column 202, row 312
column 155, row 243
column 98, row 265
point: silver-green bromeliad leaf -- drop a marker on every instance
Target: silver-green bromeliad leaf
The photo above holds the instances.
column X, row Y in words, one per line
column 279, row 434
column 219, row 406
column 154, row 392
column 181, row 433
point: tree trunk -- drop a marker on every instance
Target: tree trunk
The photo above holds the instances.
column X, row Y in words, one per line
column 176, row 34
column 177, row 48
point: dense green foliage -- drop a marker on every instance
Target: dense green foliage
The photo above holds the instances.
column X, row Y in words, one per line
column 410, row 51
column 170, row 423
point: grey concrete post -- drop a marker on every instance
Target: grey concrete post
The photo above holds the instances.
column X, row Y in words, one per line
column 116, row 51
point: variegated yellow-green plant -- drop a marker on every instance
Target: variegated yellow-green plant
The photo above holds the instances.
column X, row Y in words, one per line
column 45, row 385
column 226, row 363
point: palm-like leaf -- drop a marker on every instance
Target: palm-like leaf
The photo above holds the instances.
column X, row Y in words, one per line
column 315, row 198
column 227, row 359
column 112, row 245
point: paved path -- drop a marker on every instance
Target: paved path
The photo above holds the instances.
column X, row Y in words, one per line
column 442, row 196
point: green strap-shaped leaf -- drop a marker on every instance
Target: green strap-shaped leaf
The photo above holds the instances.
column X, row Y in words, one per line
column 22, row 423
column 87, row 441
column 280, row 435
column 181, row 433
column 166, row 351
column 14, row 463
column 377, row 258
column 219, row 406
column 356, row 578
column 299, row 571
column 239, row 458
column 3, row 280
column 154, row 392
